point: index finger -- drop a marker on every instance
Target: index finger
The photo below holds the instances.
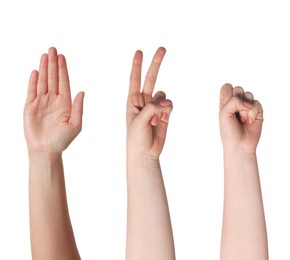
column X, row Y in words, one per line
column 152, row 73
column 226, row 93
column 135, row 77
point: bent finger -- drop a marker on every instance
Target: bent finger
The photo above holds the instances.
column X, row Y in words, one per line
column 249, row 97
column 238, row 92
column 159, row 95
column 152, row 109
column 256, row 113
column 226, row 94
column 236, row 105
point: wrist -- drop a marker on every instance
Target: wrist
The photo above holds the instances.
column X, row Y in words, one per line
column 144, row 160
column 240, row 154
column 47, row 156
column 239, row 150
column 45, row 166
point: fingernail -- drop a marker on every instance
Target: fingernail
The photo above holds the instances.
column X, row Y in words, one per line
column 250, row 120
column 242, row 119
column 165, row 102
column 164, row 117
column 154, row 120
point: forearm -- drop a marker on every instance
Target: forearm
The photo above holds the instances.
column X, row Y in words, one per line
column 149, row 232
column 51, row 231
column 244, row 230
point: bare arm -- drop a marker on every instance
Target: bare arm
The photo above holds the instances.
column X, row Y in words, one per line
column 244, row 233
column 149, row 232
column 51, row 230
column 51, row 122
column 149, row 228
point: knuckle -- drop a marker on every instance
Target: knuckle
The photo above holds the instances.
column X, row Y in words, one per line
column 151, row 106
column 236, row 99
column 151, row 77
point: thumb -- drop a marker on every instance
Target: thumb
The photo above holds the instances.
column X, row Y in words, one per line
column 77, row 111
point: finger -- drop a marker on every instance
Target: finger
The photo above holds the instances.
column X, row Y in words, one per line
column 226, row 93
column 165, row 102
column 52, row 71
column 153, row 109
column 159, row 95
column 42, row 77
column 235, row 105
column 32, row 87
column 238, row 92
column 249, row 97
column 160, row 131
column 64, row 87
column 154, row 120
column 164, row 117
column 163, row 124
column 77, row 111
column 256, row 113
column 152, row 73
column 135, row 76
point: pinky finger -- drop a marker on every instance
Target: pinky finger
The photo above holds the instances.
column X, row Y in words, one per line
column 32, row 87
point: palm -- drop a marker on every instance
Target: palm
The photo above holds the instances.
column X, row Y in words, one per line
column 47, row 125
column 243, row 135
column 49, row 121
column 145, row 135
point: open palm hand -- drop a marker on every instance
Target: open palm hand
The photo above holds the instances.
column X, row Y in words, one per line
column 51, row 121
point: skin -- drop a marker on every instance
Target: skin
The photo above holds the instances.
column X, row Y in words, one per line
column 51, row 122
column 149, row 232
column 244, row 233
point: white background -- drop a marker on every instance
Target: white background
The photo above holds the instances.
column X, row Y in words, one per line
column 208, row 43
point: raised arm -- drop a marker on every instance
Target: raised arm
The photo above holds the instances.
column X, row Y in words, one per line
column 51, row 122
column 244, row 235
column 149, row 233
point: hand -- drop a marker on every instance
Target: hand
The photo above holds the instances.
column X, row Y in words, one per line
column 51, row 121
column 147, row 116
column 241, row 119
